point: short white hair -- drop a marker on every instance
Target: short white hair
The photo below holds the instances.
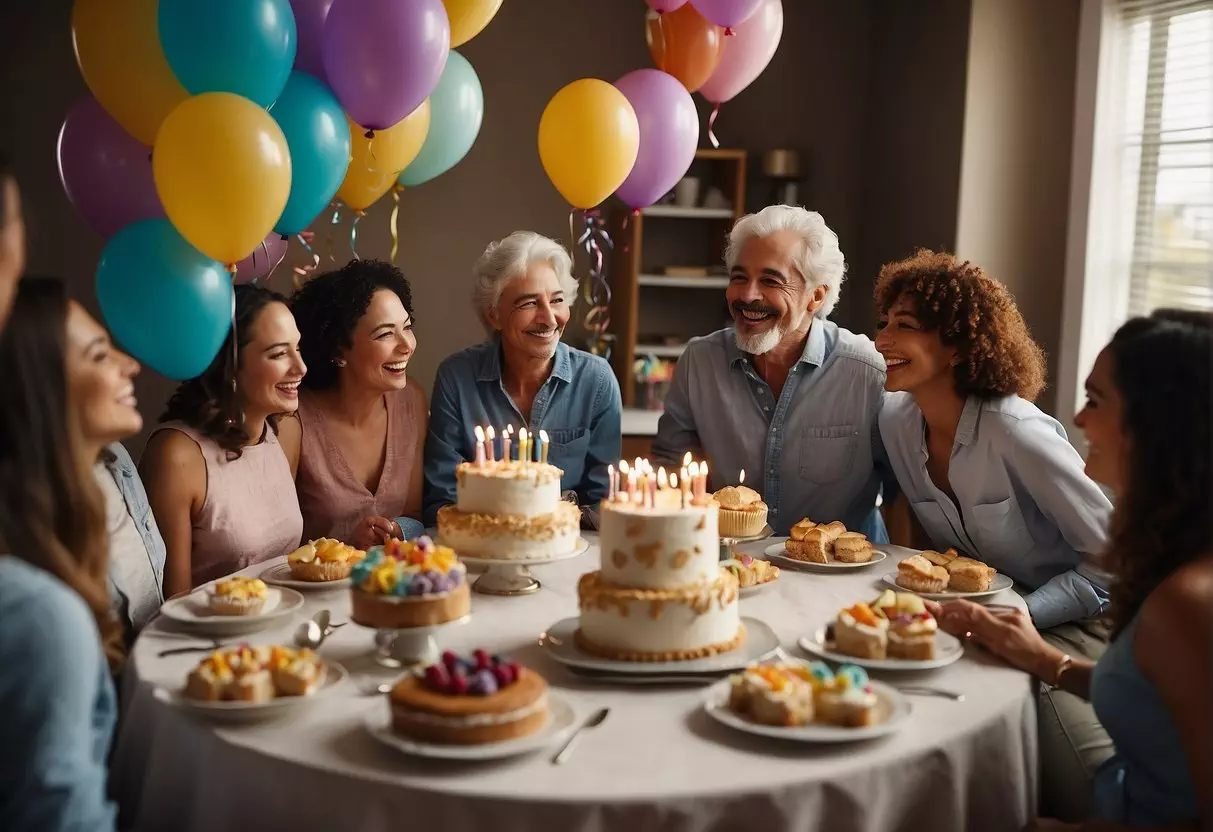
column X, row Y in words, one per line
column 818, row 258
column 509, row 258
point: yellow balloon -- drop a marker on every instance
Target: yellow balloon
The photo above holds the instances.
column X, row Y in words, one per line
column 588, row 140
column 376, row 162
column 118, row 48
column 469, row 17
column 223, row 173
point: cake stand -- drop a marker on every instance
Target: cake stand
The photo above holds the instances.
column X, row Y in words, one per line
column 512, row 577
column 727, row 543
column 411, row 646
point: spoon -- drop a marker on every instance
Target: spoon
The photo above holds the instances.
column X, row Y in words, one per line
column 593, row 722
column 372, row 689
column 943, row 694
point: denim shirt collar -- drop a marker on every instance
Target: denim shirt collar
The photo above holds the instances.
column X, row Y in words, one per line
column 490, row 365
column 814, row 353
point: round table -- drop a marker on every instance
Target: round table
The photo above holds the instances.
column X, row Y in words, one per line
column 658, row 762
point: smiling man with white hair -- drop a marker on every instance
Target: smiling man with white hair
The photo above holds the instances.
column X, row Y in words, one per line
column 784, row 394
column 524, row 376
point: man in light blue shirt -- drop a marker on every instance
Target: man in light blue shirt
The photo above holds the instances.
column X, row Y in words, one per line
column 785, row 394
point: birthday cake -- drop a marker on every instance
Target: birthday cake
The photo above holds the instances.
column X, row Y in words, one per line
column 405, row 584
column 661, row 593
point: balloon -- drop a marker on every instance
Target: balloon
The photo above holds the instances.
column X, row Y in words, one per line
column 588, row 140
column 747, row 53
column 669, row 134
column 727, row 13
column 684, row 44
column 456, row 111
column 118, row 50
column 384, row 57
column 107, row 174
column 309, row 27
column 319, row 141
column 223, row 173
column 469, row 17
column 262, row 261
column 166, row 303
column 662, row 6
column 241, row 46
column 376, row 162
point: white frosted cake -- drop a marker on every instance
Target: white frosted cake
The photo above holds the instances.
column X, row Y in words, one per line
column 661, row 594
column 509, row 510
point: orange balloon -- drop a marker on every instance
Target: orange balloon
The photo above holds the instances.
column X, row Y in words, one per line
column 684, row 44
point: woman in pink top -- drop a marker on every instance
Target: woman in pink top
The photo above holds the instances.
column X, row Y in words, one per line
column 216, row 477
column 357, row 444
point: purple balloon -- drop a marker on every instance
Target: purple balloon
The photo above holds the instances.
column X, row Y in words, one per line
column 309, row 23
column 726, row 13
column 106, row 173
column 262, row 261
column 669, row 133
column 384, row 57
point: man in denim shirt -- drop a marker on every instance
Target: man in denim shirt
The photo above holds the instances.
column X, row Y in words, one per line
column 524, row 376
column 784, row 394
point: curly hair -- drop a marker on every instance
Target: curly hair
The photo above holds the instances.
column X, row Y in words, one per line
column 974, row 314
column 210, row 403
column 1162, row 368
column 327, row 310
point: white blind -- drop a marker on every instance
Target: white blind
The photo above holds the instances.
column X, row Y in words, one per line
column 1166, row 52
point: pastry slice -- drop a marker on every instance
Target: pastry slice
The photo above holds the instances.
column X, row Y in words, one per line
column 968, row 575
column 801, row 528
column 918, row 574
column 834, row 530
column 296, row 673
column 852, row 547
column 814, row 548
column 860, row 632
column 773, row 695
column 911, row 628
column 846, row 700
column 210, row 679
column 940, row 558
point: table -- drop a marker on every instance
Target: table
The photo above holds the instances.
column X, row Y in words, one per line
column 658, row 763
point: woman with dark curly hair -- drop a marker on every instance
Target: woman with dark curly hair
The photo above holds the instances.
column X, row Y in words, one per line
column 218, row 482
column 356, row 447
column 1147, row 421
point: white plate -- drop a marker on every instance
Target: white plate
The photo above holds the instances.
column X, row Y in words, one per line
column 194, row 611
column 757, row 589
column 891, row 711
column 947, row 650
column 561, row 718
column 250, row 711
column 583, row 546
column 766, row 532
column 280, row 575
column 760, row 641
column 426, row 630
column 999, row 583
column 775, row 552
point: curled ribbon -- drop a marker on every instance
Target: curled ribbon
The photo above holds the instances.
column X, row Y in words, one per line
column 354, row 234
column 396, row 189
column 333, row 223
column 301, row 272
column 712, row 125
column 597, row 290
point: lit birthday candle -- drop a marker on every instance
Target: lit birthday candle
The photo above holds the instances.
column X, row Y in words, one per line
column 686, row 460
column 543, row 446
column 652, row 491
column 505, row 442
column 610, row 483
column 522, row 446
column 490, row 436
column 663, row 482
column 703, row 478
column 479, row 431
column 632, row 486
column 741, row 477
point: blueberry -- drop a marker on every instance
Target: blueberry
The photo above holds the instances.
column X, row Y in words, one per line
column 421, row 586
column 485, row 682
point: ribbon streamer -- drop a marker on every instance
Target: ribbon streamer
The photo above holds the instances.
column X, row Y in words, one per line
column 597, row 290
column 396, row 189
column 712, row 126
column 281, row 260
column 333, row 223
column 354, row 234
column 302, row 272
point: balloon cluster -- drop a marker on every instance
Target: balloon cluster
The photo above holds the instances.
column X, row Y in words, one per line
column 215, row 131
column 637, row 137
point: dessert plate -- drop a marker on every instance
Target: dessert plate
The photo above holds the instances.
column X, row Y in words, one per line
column 561, row 719
column 252, row 711
column 194, row 611
column 280, row 575
column 892, row 708
column 947, row 650
column 999, row 583
column 759, row 642
column 775, row 553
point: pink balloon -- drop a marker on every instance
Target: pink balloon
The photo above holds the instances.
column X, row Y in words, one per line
column 669, row 132
column 747, row 53
column 661, row 6
column 727, row 13
column 106, row 173
column 262, row 261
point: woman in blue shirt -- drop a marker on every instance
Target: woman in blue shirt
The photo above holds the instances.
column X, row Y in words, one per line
column 1147, row 422
column 524, row 376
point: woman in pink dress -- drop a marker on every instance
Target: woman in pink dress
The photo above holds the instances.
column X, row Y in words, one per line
column 356, row 445
column 216, row 477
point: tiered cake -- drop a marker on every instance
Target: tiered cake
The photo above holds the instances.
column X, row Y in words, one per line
column 509, row 510
column 661, row 594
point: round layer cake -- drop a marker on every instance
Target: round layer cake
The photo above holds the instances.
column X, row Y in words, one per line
column 405, row 584
column 509, row 510
column 470, row 701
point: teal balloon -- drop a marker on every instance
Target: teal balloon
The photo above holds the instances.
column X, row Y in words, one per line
column 241, row 46
column 166, row 303
column 456, row 111
column 318, row 136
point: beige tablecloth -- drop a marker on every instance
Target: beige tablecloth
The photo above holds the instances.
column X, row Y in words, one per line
column 658, row 763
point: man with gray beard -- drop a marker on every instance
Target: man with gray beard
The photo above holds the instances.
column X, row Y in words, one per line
column 784, row 394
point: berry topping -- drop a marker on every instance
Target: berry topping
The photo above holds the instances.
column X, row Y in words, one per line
column 503, row 675
column 484, row 660
column 437, row 677
column 450, row 659
column 425, row 543
column 441, row 583
column 484, row 682
column 459, row 684
column 421, row 585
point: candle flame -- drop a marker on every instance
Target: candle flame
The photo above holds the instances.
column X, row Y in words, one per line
column 673, row 480
column 490, row 433
column 509, row 429
column 741, row 477
column 662, row 479
column 543, row 436
column 693, row 470
column 479, row 431
column 521, row 434
column 623, row 467
column 703, row 468
column 638, row 464
column 686, row 460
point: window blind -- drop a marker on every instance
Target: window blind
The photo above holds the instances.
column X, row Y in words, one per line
column 1166, row 54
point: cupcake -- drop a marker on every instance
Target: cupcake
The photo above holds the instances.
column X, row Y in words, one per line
column 322, row 560
column 742, row 511
column 238, row 595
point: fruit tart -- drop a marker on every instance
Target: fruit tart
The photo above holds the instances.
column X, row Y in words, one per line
column 238, row 595
column 322, row 560
column 409, row 583
column 751, row 571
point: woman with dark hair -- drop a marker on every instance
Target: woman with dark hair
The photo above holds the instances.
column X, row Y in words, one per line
column 1148, row 424
column 57, row 704
column 357, row 444
column 219, row 484
column 12, row 239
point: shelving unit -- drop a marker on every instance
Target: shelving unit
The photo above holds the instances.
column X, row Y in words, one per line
column 649, row 307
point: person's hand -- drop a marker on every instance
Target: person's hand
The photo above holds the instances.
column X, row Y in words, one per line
column 1008, row 634
column 1050, row 825
column 373, row 531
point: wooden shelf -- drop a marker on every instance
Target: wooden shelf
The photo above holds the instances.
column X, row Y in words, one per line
column 683, row 281
column 661, row 350
column 677, row 211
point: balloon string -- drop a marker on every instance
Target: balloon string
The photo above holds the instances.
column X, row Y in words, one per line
column 302, row 272
column 234, row 357
column 281, row 260
column 332, row 226
column 597, row 290
column 665, row 56
column 264, row 251
column 574, row 242
column 354, row 234
column 712, row 125
column 396, row 189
